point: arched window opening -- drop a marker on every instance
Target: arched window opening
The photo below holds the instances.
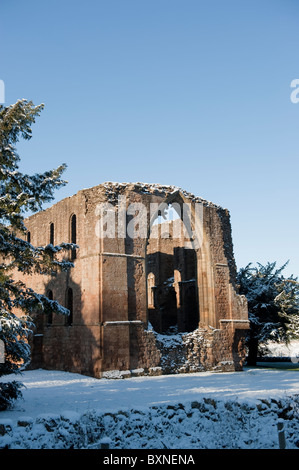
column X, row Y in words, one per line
column 50, row 315
column 171, row 261
column 51, row 234
column 28, row 237
column 176, row 285
column 151, row 290
column 69, row 306
column 73, row 235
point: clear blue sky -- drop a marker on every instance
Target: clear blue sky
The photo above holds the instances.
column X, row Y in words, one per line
column 185, row 92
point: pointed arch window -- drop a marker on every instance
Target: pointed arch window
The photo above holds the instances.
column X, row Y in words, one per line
column 28, row 237
column 176, row 284
column 73, row 235
column 69, row 306
column 151, row 290
column 52, row 231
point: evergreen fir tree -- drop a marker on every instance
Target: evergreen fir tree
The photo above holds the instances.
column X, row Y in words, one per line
column 273, row 306
column 19, row 195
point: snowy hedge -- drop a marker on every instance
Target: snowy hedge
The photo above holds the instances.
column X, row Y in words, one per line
column 204, row 424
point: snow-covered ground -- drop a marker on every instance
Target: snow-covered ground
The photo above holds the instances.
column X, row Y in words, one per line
column 55, row 392
column 200, row 410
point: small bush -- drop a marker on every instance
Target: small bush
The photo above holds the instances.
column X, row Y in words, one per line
column 9, row 392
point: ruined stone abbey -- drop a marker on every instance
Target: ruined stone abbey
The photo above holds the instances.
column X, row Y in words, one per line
column 148, row 296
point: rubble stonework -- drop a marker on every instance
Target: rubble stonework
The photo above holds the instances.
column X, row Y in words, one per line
column 143, row 304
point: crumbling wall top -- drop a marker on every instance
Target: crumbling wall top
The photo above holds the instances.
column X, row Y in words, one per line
column 111, row 190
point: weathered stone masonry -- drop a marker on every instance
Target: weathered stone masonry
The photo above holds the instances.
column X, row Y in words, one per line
column 139, row 305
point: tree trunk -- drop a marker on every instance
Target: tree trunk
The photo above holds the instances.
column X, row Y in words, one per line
column 252, row 351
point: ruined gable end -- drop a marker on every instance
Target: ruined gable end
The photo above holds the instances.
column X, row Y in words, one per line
column 153, row 286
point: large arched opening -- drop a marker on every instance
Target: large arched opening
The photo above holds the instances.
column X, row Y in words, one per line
column 171, row 271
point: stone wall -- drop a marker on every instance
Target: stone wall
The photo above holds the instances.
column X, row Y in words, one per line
column 208, row 423
column 203, row 349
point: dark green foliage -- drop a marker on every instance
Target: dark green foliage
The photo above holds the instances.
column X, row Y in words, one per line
column 19, row 194
column 273, row 305
column 8, row 393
